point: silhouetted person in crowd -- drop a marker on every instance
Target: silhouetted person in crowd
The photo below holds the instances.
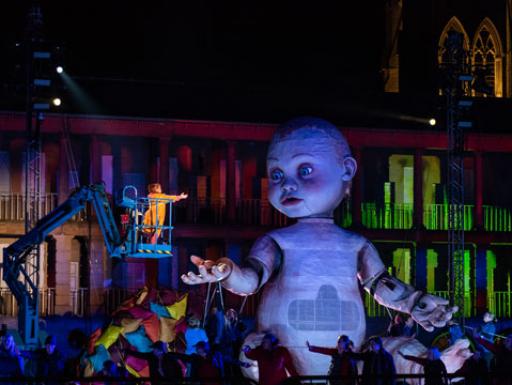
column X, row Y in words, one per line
column 49, row 360
column 488, row 332
column 342, row 368
column 273, row 360
column 74, row 365
column 194, row 334
column 433, row 368
column 113, row 371
column 214, row 325
column 502, row 358
column 11, row 362
column 456, row 332
column 475, row 370
column 162, row 364
column 230, row 342
column 379, row 367
column 206, row 365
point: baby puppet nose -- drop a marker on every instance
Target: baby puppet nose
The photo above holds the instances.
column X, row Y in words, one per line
column 289, row 185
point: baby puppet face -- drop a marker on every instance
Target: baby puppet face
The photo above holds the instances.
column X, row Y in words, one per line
column 307, row 178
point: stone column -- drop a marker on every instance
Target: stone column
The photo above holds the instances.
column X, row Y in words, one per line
column 163, row 177
column 418, row 189
column 97, row 273
column 479, row 191
column 62, row 276
column 63, row 171
column 421, row 267
column 231, row 181
column 431, row 271
column 95, row 156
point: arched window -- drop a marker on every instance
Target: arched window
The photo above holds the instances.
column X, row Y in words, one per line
column 487, row 61
column 453, row 25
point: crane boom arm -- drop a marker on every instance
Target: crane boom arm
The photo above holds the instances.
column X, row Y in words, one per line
column 15, row 254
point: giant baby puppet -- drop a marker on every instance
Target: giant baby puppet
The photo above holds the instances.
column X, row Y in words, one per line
column 310, row 272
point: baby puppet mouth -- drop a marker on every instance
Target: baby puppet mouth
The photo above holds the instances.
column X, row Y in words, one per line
column 290, row 201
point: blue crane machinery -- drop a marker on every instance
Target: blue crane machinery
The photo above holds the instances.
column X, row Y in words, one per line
column 132, row 242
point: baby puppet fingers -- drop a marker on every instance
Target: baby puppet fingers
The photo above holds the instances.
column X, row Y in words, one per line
column 191, row 279
column 442, row 315
column 427, row 325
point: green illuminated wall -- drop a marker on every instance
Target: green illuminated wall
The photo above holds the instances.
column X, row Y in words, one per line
column 491, row 265
column 431, row 270
column 402, row 264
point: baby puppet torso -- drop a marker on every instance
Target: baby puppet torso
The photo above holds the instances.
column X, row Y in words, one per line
column 313, row 293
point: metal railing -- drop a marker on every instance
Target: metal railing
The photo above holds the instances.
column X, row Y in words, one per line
column 387, row 216
column 9, row 306
column 252, row 212
column 259, row 212
column 12, row 206
column 79, row 300
column 373, row 308
column 500, row 303
column 435, row 216
column 497, row 218
column 200, row 211
column 114, row 297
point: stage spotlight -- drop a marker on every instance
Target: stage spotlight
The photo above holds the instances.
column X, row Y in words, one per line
column 56, row 102
column 59, row 69
column 432, row 122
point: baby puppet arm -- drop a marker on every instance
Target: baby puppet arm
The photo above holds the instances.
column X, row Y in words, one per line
column 427, row 310
column 264, row 258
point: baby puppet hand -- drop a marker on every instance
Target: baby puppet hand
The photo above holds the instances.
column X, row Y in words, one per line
column 432, row 312
column 209, row 271
column 182, row 196
column 455, row 355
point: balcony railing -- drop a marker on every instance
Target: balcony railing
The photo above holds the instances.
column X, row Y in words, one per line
column 12, row 207
column 388, row 216
column 435, row 217
column 214, row 212
column 256, row 212
column 9, row 306
column 80, row 301
column 497, row 218
column 500, row 303
column 373, row 308
column 114, row 297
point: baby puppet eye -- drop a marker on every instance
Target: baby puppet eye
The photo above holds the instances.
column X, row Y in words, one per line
column 305, row 170
column 276, row 175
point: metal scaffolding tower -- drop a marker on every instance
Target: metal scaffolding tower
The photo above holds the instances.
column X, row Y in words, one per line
column 457, row 83
column 36, row 64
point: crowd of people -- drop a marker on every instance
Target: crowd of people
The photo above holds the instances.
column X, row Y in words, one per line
column 207, row 354
column 210, row 355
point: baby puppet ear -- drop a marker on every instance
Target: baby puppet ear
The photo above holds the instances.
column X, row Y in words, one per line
column 349, row 168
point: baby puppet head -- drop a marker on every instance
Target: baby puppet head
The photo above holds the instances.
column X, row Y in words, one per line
column 310, row 168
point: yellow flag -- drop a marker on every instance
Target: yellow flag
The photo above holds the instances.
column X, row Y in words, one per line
column 179, row 308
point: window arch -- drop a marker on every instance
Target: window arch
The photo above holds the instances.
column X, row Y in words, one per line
column 453, row 25
column 487, row 60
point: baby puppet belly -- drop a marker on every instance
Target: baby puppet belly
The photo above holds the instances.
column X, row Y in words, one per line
column 314, row 309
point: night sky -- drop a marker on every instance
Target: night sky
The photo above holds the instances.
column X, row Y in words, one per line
column 219, row 60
